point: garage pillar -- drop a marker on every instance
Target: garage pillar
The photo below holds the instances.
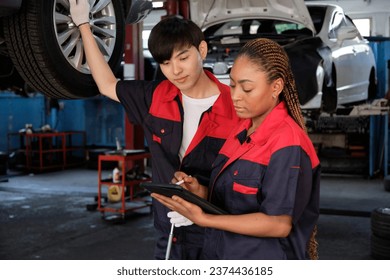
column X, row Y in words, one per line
column 184, row 8
column 134, row 69
column 171, row 6
column 177, row 7
column 381, row 48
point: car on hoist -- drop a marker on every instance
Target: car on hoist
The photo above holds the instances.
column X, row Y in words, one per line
column 332, row 63
column 41, row 47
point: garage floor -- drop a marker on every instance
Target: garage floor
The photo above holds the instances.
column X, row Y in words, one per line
column 44, row 216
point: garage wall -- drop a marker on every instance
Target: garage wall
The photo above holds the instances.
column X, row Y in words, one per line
column 101, row 118
column 104, row 121
column 16, row 111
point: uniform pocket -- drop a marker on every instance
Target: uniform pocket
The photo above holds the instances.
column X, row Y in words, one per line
column 162, row 130
column 244, row 183
column 244, row 189
column 242, row 199
column 163, row 136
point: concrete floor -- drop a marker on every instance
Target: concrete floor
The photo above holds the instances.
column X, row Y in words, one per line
column 44, row 216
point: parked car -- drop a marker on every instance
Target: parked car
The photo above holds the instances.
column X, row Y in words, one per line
column 332, row 63
column 40, row 45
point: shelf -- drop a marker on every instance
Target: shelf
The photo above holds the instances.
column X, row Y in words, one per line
column 125, row 200
column 54, row 150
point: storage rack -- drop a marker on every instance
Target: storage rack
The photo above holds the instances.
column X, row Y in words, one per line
column 128, row 203
column 54, row 150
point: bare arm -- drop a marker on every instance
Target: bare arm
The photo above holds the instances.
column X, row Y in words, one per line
column 253, row 224
column 101, row 71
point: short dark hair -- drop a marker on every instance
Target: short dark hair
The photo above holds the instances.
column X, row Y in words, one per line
column 173, row 33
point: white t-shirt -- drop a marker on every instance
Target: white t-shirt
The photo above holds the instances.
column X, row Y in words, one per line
column 193, row 109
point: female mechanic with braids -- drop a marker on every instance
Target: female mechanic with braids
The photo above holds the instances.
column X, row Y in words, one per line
column 267, row 174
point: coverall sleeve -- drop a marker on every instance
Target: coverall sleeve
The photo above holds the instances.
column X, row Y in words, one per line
column 136, row 97
column 287, row 184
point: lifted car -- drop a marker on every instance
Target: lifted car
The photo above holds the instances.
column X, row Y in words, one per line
column 39, row 39
column 332, row 63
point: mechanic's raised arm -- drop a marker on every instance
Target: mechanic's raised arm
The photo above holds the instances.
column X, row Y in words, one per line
column 101, row 71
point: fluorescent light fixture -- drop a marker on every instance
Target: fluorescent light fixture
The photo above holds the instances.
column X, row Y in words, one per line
column 158, row 4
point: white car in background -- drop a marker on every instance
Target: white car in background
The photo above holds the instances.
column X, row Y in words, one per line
column 332, row 63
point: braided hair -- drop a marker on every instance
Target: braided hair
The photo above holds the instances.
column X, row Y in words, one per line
column 272, row 59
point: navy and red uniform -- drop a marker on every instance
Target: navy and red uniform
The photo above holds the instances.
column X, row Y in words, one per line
column 157, row 107
column 274, row 171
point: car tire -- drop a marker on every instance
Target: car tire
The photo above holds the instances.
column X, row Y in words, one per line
column 330, row 97
column 380, row 247
column 33, row 37
column 372, row 87
column 329, row 100
column 380, row 222
column 386, row 183
column 380, row 233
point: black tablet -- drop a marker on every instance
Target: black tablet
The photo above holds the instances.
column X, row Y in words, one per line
column 172, row 189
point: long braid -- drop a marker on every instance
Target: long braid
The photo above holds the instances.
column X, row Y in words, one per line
column 290, row 95
column 273, row 60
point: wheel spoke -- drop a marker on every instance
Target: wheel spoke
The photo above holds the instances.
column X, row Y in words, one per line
column 61, row 18
column 103, row 25
column 104, row 20
column 104, row 31
column 63, row 36
column 79, row 55
column 103, row 47
column 73, row 42
column 99, row 6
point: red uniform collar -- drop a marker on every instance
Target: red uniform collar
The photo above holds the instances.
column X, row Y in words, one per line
column 266, row 129
column 166, row 92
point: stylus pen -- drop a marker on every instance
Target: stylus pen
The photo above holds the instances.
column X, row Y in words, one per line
column 179, row 182
column 169, row 246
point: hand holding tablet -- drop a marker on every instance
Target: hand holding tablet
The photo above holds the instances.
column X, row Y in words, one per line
column 170, row 190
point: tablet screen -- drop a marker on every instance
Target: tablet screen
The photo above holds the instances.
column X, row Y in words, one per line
column 172, row 189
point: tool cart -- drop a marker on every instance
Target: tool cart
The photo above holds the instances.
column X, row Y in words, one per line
column 118, row 193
